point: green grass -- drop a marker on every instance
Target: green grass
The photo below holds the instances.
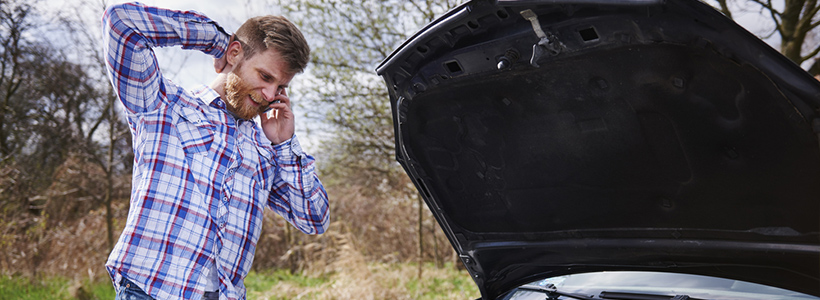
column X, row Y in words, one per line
column 102, row 290
column 397, row 281
column 257, row 284
column 57, row 288
column 394, row 281
column 21, row 288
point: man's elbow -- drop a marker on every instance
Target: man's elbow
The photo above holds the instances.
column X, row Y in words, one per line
column 111, row 15
column 318, row 226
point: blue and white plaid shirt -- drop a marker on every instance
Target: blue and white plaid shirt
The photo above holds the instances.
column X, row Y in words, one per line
column 201, row 176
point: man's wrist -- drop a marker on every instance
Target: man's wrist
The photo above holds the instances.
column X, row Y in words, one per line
column 288, row 150
column 274, row 144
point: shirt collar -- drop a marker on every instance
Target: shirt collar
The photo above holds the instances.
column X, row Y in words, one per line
column 211, row 97
column 206, row 93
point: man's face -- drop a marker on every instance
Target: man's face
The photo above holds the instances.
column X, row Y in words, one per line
column 255, row 82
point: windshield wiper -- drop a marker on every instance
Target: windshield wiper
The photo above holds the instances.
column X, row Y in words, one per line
column 553, row 293
column 637, row 296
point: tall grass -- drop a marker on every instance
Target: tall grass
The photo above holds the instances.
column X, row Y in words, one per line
column 371, row 251
column 373, row 281
column 369, row 281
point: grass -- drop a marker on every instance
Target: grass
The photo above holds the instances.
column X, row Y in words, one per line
column 55, row 288
column 21, row 288
column 369, row 281
column 374, row 281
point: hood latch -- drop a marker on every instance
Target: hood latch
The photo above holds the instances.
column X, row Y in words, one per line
column 547, row 43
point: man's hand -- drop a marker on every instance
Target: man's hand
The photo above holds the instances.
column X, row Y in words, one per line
column 222, row 62
column 278, row 123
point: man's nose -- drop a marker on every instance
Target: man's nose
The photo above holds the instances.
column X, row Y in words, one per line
column 269, row 93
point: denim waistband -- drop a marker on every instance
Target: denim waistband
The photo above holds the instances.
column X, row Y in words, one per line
column 211, row 296
column 125, row 283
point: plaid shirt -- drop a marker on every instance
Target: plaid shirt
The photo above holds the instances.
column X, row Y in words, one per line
column 201, row 177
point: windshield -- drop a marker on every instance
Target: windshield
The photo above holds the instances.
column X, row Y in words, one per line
column 598, row 285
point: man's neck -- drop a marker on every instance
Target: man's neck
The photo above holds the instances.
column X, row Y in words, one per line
column 218, row 84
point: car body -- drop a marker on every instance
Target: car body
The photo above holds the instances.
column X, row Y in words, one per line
column 557, row 137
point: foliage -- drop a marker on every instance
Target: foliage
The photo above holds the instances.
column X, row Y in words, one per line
column 65, row 156
column 342, row 94
column 56, row 288
column 365, row 281
column 349, row 111
column 393, row 280
column 380, row 229
column 55, row 105
column 23, row 288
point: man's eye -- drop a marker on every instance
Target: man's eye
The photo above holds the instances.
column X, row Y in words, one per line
column 266, row 77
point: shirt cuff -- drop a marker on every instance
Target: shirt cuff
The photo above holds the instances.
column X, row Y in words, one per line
column 288, row 151
column 218, row 48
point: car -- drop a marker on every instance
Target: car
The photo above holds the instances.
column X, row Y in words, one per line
column 612, row 149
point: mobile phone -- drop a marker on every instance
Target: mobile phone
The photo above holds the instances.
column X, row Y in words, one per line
column 269, row 108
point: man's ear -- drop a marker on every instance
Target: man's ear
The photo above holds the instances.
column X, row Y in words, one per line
column 234, row 53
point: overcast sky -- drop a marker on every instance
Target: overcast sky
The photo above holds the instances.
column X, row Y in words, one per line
column 198, row 68
column 190, row 68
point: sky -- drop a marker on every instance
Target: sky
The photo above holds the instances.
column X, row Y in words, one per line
column 191, row 68
column 198, row 68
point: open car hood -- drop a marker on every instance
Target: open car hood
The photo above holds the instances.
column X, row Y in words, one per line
column 558, row 137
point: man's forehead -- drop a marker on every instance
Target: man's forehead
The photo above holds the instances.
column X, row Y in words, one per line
column 271, row 61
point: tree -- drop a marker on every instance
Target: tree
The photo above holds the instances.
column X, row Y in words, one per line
column 112, row 154
column 795, row 21
column 48, row 108
column 347, row 102
column 63, row 149
column 37, row 107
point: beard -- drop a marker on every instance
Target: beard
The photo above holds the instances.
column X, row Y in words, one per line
column 236, row 93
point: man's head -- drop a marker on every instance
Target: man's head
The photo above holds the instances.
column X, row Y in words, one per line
column 277, row 33
column 265, row 55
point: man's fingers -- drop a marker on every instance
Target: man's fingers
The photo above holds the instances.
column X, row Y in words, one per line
column 219, row 64
column 282, row 97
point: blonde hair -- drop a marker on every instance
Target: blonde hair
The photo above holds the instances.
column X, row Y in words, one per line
column 275, row 32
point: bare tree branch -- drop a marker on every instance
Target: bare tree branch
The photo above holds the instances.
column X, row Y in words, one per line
column 724, row 8
column 811, row 54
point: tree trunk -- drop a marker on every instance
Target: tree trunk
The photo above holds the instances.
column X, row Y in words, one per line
column 791, row 37
column 421, row 237
column 109, row 175
column 439, row 262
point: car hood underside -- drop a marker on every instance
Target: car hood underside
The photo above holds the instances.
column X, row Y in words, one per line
column 625, row 135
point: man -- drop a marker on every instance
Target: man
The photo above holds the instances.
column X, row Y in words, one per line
column 203, row 168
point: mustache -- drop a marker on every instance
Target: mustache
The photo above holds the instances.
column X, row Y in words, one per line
column 257, row 97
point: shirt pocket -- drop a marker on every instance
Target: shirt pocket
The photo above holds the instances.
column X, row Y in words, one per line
column 195, row 139
column 196, row 134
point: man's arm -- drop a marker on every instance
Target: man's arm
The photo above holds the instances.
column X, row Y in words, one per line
column 297, row 194
column 131, row 30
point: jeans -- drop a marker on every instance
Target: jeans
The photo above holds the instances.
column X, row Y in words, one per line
column 129, row 291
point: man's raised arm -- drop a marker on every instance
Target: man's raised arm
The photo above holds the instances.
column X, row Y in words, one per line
column 131, row 30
